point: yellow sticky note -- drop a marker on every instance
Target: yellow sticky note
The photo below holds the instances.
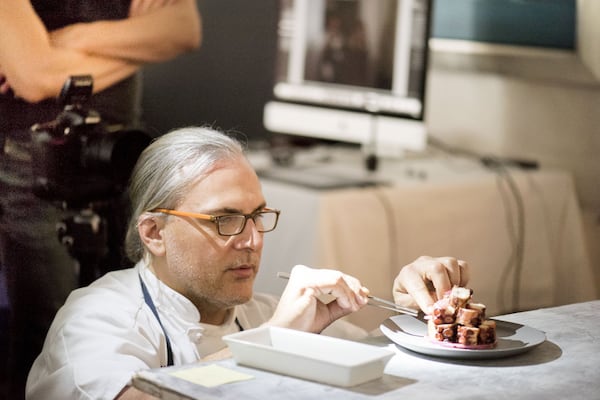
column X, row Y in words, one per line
column 211, row 375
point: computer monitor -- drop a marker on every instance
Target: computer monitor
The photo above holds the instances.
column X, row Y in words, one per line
column 352, row 71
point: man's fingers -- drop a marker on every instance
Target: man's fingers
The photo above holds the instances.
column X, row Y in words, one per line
column 453, row 270
column 347, row 290
column 464, row 273
column 446, row 272
column 414, row 285
column 428, row 279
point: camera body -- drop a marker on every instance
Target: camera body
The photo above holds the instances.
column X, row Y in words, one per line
column 76, row 159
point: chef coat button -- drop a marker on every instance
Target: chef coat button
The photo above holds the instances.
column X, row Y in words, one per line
column 195, row 335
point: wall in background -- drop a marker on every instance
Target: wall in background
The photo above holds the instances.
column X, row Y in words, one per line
column 227, row 81
column 230, row 78
column 538, row 104
column 555, row 123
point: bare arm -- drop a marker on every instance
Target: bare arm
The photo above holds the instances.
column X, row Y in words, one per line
column 219, row 355
column 156, row 30
column 131, row 393
column 36, row 70
column 36, row 63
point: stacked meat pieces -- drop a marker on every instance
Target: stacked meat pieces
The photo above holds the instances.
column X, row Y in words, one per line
column 456, row 319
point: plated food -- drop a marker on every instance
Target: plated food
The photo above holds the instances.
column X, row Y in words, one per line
column 457, row 321
column 458, row 328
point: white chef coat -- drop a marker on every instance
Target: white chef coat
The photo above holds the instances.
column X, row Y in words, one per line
column 106, row 332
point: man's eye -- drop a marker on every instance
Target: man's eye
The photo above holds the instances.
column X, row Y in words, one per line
column 229, row 219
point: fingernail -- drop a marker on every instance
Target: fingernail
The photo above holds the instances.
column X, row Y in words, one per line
column 344, row 303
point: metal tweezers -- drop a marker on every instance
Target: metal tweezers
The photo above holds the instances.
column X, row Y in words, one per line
column 388, row 305
column 375, row 301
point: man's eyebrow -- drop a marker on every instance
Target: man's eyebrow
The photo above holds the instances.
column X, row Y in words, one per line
column 227, row 210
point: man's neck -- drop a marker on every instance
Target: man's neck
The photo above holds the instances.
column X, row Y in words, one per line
column 210, row 314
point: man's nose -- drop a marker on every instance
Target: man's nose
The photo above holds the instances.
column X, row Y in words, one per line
column 250, row 236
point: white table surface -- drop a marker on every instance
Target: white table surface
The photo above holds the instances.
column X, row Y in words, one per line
column 565, row 366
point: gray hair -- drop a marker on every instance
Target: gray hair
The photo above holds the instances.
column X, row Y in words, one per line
column 166, row 170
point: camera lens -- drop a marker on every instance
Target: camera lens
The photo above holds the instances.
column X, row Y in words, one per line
column 114, row 153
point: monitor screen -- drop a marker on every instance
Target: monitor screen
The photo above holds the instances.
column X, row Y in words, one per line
column 351, row 70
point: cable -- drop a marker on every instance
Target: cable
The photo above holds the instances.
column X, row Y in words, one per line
column 516, row 234
column 508, row 267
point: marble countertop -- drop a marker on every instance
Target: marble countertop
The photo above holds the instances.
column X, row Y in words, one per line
column 565, row 366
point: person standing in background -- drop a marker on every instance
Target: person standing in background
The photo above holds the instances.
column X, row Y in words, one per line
column 42, row 44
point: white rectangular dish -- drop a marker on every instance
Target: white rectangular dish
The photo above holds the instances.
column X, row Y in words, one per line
column 308, row 355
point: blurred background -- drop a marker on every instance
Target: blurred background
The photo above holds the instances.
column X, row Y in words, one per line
column 509, row 78
column 506, row 77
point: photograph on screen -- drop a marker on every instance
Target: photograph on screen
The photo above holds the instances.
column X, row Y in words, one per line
column 355, row 54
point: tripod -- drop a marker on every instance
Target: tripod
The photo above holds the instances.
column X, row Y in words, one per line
column 93, row 239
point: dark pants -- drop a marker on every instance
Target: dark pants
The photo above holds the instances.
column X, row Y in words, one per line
column 40, row 273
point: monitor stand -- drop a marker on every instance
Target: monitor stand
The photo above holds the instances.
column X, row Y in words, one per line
column 324, row 168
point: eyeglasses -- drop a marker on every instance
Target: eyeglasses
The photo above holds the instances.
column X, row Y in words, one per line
column 265, row 220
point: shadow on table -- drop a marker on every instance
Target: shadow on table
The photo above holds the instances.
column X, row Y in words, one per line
column 378, row 387
column 544, row 353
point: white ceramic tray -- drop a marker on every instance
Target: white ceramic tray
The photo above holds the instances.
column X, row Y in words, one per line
column 308, row 356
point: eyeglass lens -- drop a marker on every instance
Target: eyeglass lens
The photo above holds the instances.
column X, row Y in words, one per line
column 234, row 224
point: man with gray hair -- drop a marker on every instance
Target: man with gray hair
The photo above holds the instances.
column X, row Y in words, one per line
column 196, row 233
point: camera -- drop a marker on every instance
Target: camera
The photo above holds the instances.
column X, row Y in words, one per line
column 76, row 158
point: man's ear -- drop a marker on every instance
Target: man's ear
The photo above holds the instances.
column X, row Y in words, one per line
column 150, row 231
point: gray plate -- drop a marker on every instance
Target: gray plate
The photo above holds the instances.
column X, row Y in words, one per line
column 411, row 333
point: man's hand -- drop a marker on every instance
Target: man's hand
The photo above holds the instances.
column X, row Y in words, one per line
column 426, row 279
column 314, row 298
